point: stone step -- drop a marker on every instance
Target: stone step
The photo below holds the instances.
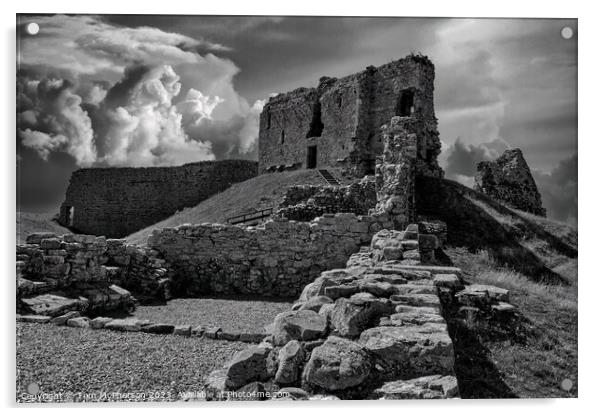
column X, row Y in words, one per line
column 422, row 268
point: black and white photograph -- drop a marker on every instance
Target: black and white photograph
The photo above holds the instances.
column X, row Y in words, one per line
column 292, row 208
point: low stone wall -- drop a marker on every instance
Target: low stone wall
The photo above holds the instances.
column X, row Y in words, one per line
column 371, row 330
column 76, row 272
column 276, row 259
column 306, row 202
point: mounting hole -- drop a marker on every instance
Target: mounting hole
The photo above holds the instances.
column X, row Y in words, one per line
column 566, row 32
column 566, row 384
column 33, row 28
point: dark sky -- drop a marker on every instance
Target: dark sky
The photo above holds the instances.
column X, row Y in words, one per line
column 131, row 90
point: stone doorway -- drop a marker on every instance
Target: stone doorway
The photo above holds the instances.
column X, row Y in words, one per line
column 312, row 157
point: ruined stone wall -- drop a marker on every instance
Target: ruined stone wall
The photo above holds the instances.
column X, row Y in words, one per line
column 62, row 262
column 372, row 330
column 508, row 180
column 116, row 202
column 306, row 202
column 396, row 172
column 275, row 259
column 342, row 119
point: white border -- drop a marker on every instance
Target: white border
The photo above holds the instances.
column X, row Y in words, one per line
column 589, row 153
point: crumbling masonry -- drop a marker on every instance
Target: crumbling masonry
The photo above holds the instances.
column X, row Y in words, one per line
column 337, row 124
column 116, row 202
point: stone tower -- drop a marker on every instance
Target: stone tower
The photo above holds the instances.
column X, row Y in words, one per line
column 338, row 124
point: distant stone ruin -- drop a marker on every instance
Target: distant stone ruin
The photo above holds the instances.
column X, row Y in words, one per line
column 337, row 124
column 508, row 180
column 116, row 202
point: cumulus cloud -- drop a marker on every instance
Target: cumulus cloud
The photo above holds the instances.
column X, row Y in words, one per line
column 53, row 119
column 142, row 126
column 147, row 97
column 460, row 159
column 234, row 137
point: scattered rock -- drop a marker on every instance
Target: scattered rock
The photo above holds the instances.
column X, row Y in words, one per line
column 246, row 366
column 183, row 330
column 212, row 332
column 197, row 331
column 126, row 325
column 81, row 322
column 304, row 325
column 428, row 387
column 62, row 320
column 482, row 295
column 338, row 364
column 39, row 319
column 290, row 357
column 99, row 322
column 51, row 304
column 292, row 393
column 254, row 391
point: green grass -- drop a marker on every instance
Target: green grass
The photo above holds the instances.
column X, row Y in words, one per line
column 261, row 192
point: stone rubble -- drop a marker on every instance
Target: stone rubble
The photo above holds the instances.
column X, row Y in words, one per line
column 377, row 339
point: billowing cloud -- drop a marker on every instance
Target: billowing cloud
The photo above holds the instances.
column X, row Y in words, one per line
column 558, row 190
column 234, row 137
column 147, row 97
column 460, row 159
column 53, row 120
column 139, row 124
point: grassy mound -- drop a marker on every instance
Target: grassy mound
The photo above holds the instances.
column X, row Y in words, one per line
column 536, row 259
column 261, row 192
column 30, row 222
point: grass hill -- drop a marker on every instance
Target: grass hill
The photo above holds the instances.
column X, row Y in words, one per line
column 30, row 222
column 536, row 259
column 261, row 192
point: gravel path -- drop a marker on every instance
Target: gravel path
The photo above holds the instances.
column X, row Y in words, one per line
column 229, row 314
column 144, row 367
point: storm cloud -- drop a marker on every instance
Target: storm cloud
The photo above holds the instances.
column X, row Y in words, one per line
column 509, row 82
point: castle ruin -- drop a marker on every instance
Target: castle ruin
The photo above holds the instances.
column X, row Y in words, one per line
column 337, row 125
column 116, row 202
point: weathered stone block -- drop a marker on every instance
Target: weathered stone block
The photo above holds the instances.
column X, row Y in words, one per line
column 338, row 364
column 290, row 357
column 410, row 351
column 246, row 366
column 301, row 325
column 99, row 322
column 62, row 320
column 428, row 387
